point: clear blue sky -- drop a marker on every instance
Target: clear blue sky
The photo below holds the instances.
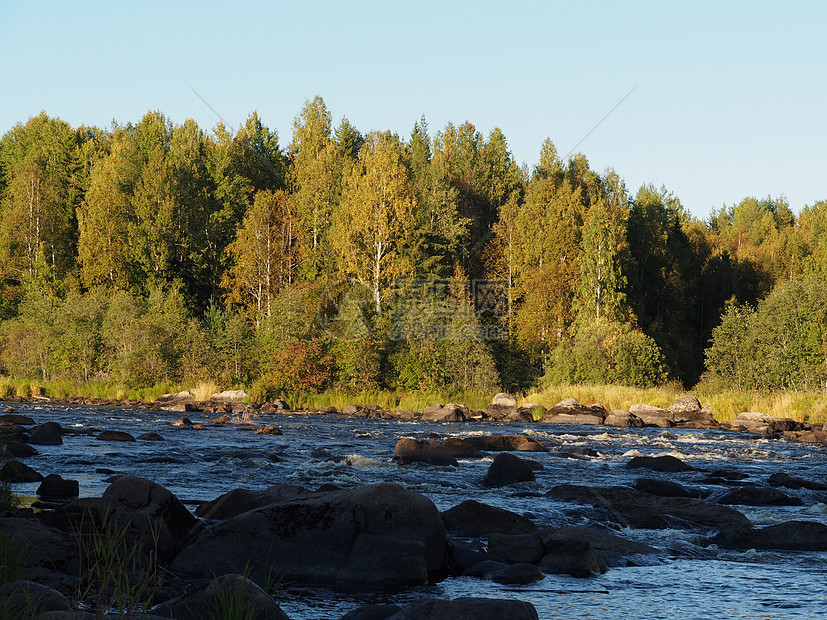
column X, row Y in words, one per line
column 731, row 101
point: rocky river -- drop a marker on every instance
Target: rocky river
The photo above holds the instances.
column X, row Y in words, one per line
column 702, row 519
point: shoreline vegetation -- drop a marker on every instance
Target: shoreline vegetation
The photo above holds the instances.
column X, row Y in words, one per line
column 802, row 406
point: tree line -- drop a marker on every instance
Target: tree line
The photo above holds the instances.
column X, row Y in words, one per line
column 154, row 252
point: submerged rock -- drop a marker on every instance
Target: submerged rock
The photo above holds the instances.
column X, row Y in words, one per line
column 466, row 609
column 790, row 535
column 114, row 436
column 506, row 443
column 665, row 463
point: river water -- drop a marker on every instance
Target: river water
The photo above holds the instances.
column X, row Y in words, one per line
column 687, row 580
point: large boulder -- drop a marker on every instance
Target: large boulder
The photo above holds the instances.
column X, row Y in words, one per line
column 43, row 546
column 790, row 535
column 55, row 487
column 652, row 416
column 474, row 518
column 664, row 463
column 466, row 609
column 502, row 407
column 687, row 410
column 227, row 596
column 238, row 501
column 753, row 495
column 461, row 449
column 47, row 434
column 429, row 451
column 764, row 424
column 506, row 443
column 446, row 413
column 377, row 535
column 508, row 469
column 16, row 418
column 230, row 396
column 15, row 471
column 572, row 411
column 623, row 419
column 27, row 599
column 155, row 517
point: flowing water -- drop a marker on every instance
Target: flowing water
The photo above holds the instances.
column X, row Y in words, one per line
column 687, row 580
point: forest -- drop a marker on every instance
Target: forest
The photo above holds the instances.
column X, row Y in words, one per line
column 155, row 252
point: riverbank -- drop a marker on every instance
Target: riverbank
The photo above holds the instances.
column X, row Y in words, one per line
column 809, row 407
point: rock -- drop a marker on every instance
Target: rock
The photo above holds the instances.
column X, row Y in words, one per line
column 461, row 449
column 790, row 535
column 150, row 436
column 25, row 599
column 230, row 396
column 502, row 406
column 531, row 412
column 462, row 556
column 227, row 596
column 506, row 443
column 623, row 419
column 19, row 450
column 508, row 469
column 664, row 463
column 182, row 407
column 155, row 517
column 520, row 573
column 629, row 504
column 55, row 487
column 378, row 535
column 751, row 495
column 238, row 501
column 473, row 518
column 47, row 434
column 372, row 612
column 352, row 410
column 409, row 450
column 12, row 417
column 763, row 424
column 10, row 410
column 183, row 396
column 44, row 546
column 224, row 419
column 181, row 422
column 571, row 411
column 664, row 488
column 687, row 409
column 809, row 436
column 466, row 609
column 446, row 413
column 484, row 569
column 269, row 429
column 574, row 418
column 612, row 549
column 785, row 480
column 516, row 548
column 15, row 471
column 572, row 557
column 115, row 436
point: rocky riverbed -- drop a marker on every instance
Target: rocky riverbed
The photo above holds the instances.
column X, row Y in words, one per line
column 571, row 512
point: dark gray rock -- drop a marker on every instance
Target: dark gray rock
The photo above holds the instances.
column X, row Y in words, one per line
column 474, row 518
column 156, row 519
column 572, row 557
column 378, row 535
column 752, row 495
column 47, row 434
column 114, row 436
column 372, row 612
column 15, row 471
column 238, row 501
column 55, row 487
column 664, row 488
column 790, row 536
column 446, row 413
column 785, row 480
column 466, row 609
column 508, row 469
column 227, row 596
column 518, row 574
column 26, row 599
column 664, row 463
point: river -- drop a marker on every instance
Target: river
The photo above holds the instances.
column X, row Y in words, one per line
column 687, row 580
